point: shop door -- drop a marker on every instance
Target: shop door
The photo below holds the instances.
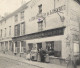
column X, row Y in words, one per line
column 11, row 46
column 6, row 46
column 39, row 46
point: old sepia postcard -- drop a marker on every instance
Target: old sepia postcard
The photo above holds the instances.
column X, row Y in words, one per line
column 39, row 33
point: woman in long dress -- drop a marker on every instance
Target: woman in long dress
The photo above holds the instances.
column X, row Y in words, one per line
column 38, row 57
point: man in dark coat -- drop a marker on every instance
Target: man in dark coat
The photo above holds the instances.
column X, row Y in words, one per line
column 42, row 55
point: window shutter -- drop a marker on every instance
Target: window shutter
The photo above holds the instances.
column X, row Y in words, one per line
column 57, row 46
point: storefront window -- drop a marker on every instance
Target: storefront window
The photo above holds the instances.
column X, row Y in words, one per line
column 17, row 45
column 23, row 48
column 57, row 48
column 54, row 48
column 50, row 47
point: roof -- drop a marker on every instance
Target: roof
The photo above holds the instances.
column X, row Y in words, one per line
column 24, row 6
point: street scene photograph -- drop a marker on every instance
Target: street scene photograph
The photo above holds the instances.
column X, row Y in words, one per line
column 39, row 33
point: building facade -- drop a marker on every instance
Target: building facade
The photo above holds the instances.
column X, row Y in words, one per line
column 52, row 25
column 6, row 34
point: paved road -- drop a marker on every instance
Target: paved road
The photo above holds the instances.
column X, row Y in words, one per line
column 7, row 63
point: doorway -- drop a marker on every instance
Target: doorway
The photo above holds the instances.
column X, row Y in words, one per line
column 39, row 46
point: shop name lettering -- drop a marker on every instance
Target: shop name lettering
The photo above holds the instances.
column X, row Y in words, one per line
column 59, row 9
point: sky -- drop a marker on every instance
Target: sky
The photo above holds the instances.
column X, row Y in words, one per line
column 8, row 6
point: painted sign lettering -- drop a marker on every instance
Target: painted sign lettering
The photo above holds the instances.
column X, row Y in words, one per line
column 50, row 12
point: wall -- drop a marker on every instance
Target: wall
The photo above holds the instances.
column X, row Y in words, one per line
column 52, row 20
column 72, row 27
column 9, row 22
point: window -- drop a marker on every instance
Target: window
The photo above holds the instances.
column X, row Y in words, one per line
column 6, row 45
column 9, row 30
column 40, row 8
column 1, row 33
column 57, row 48
column 23, row 48
column 40, row 25
column 17, row 47
column 5, row 32
column 22, row 28
column 54, row 48
column 50, row 47
column 22, row 15
column 39, row 46
column 17, row 30
column 11, row 46
column 16, row 18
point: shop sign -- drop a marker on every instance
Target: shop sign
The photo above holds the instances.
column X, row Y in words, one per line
column 68, row 40
column 47, row 33
column 76, row 48
column 50, row 12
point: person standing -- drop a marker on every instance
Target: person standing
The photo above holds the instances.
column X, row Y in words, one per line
column 39, row 57
column 71, row 62
column 42, row 55
column 47, row 57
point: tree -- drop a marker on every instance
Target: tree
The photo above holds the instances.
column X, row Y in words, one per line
column 78, row 1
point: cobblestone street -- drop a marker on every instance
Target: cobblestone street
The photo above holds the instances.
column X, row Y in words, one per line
column 7, row 63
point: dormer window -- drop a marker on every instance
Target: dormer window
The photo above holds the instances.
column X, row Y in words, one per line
column 40, row 8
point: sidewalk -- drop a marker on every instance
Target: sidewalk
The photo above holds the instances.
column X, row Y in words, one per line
column 34, row 63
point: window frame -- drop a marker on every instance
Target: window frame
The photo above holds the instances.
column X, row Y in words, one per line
column 40, row 8
column 22, row 28
column 9, row 30
column 16, row 18
column 5, row 32
column 40, row 26
column 22, row 15
column 17, row 30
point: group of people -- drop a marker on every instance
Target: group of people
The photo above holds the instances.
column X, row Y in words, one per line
column 43, row 55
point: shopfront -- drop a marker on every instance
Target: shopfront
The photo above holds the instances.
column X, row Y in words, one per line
column 51, row 45
column 54, row 48
column 50, row 40
column 19, row 48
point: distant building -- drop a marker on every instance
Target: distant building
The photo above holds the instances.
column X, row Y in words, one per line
column 49, row 24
